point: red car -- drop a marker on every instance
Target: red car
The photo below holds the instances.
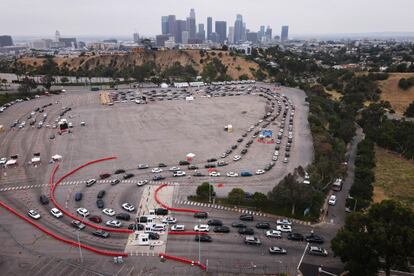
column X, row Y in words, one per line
column 96, row 219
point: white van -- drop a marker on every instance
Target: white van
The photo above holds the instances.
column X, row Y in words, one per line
column 158, row 227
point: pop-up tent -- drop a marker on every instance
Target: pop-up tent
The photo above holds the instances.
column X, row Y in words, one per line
column 56, row 157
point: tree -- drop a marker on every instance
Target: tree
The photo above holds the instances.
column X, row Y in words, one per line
column 47, row 81
column 204, row 191
column 381, row 238
column 409, row 112
column 27, row 85
column 236, row 196
column 259, row 199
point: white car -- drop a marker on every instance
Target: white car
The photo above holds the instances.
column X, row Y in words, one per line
column 286, row 160
column 214, row 174
column 284, row 221
column 276, row 153
column 273, row 234
column 284, row 228
column 178, row 173
column 3, row 161
column 83, row 212
column 260, row 171
column 34, row 214
column 129, row 207
column 236, row 158
column 178, row 227
column 90, row 182
column 142, row 182
column 156, row 170
column 114, row 223
column 332, row 200
column 275, row 157
column 174, row 169
column 56, row 213
column 108, row 212
column 169, row 220
column 223, row 155
column 202, row 228
column 232, row 174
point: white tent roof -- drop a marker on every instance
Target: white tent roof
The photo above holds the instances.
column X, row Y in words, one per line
column 57, row 157
column 11, row 162
column 35, row 159
column 191, row 155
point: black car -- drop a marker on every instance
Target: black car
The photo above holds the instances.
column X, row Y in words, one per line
column 263, row 225
column 44, row 199
column 161, row 165
column 239, row 140
column 119, row 171
column 221, row 229
column 203, row 238
column 209, row 165
column 234, row 147
column 158, row 177
column 161, row 212
column 123, row 216
column 153, row 236
column 202, row 215
column 215, row 222
column 77, row 224
column 295, row 237
column 183, row 163
column 244, row 151
column 314, row 239
column 228, row 151
column 246, row 217
column 244, row 134
column 136, row 227
column 115, row 181
column 101, row 233
column 128, row 175
column 198, row 174
column 100, row 203
column 246, row 231
column 238, row 225
column 211, row 160
column 101, row 194
column 142, row 219
column 192, row 167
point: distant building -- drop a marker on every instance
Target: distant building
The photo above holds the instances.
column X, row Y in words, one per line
column 6, row 40
column 230, row 38
column 221, row 30
column 268, row 33
column 180, row 27
column 81, row 44
column 171, row 25
column 164, row 25
column 214, row 37
column 57, row 36
column 185, row 36
column 209, row 27
column 136, row 37
column 41, row 44
column 253, row 37
column 161, row 39
column 238, row 28
column 111, row 40
column 69, row 42
column 191, row 24
column 201, row 32
column 285, row 34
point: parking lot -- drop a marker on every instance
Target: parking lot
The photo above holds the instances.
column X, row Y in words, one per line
column 165, row 129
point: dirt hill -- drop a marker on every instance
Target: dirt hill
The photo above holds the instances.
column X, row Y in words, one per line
column 398, row 98
column 237, row 66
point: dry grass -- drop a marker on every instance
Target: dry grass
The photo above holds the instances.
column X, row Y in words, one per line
column 335, row 95
column 398, row 98
column 394, row 177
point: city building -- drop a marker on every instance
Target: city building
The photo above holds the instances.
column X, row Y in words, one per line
column 185, row 36
column 69, row 42
column 201, row 32
column 161, row 39
column 238, row 28
column 180, row 27
column 285, row 34
column 171, row 25
column 252, row 37
column 136, row 37
column 268, row 33
column 57, row 36
column 6, row 40
column 214, row 37
column 221, row 30
column 191, row 24
column 164, row 25
column 209, row 27
column 230, row 38
column 41, row 44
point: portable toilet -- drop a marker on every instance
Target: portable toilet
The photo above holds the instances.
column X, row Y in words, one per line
column 229, row 128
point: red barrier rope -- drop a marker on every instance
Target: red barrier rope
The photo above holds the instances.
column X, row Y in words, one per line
column 183, row 260
column 59, row 238
column 168, row 207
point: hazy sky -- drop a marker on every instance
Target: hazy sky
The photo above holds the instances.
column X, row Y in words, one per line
column 123, row 17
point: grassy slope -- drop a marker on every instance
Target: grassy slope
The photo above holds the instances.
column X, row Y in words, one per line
column 398, row 98
column 394, row 177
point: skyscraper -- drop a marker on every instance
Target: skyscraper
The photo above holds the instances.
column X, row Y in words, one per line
column 57, row 36
column 180, row 27
column 171, row 25
column 164, row 25
column 268, row 33
column 191, row 24
column 238, row 28
column 284, row 36
column 231, row 35
column 221, row 30
column 209, row 27
column 184, row 36
column 201, row 35
column 136, row 37
column 192, row 13
column 252, row 37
